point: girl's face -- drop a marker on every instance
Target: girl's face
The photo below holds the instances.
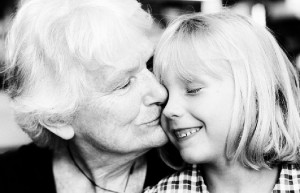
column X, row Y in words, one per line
column 198, row 113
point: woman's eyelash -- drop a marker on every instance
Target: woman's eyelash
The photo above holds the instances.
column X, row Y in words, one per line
column 127, row 84
column 193, row 91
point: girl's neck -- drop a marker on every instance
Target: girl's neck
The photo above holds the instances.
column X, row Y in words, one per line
column 235, row 178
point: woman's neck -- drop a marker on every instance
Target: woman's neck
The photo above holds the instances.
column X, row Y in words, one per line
column 105, row 170
column 235, row 178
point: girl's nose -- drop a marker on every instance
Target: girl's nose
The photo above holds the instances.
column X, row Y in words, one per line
column 173, row 110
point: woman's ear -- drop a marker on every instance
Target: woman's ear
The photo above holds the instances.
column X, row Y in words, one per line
column 63, row 131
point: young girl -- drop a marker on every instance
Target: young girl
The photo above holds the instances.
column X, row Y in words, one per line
column 233, row 107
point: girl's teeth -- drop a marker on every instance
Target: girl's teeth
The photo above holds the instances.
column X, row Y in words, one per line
column 185, row 133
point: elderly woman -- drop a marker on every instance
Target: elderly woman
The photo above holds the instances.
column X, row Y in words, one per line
column 81, row 90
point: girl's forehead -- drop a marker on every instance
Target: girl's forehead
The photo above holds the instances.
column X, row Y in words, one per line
column 190, row 70
column 203, row 46
column 198, row 60
column 196, row 49
column 190, row 56
column 189, row 66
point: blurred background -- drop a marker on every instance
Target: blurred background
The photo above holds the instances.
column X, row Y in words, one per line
column 280, row 16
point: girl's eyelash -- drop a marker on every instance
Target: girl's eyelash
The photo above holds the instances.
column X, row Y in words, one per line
column 193, row 91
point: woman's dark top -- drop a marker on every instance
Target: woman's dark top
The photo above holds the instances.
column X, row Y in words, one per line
column 29, row 170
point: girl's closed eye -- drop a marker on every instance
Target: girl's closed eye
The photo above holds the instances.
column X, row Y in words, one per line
column 193, row 91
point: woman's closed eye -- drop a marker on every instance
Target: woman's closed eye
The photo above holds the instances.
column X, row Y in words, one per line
column 126, row 84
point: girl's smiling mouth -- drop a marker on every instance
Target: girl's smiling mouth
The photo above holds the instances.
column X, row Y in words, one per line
column 183, row 133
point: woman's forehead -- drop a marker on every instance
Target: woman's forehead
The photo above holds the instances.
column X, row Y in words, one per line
column 122, row 58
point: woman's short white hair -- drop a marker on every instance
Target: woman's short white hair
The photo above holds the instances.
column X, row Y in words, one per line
column 53, row 43
column 265, row 128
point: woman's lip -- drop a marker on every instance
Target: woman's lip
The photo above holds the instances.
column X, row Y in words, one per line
column 153, row 122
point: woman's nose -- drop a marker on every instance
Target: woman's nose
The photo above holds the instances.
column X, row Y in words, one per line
column 157, row 93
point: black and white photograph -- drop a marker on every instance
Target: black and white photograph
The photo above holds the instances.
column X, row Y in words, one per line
column 150, row 96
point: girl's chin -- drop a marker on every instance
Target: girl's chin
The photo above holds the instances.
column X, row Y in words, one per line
column 191, row 158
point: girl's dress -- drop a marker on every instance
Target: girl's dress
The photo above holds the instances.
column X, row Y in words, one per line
column 190, row 180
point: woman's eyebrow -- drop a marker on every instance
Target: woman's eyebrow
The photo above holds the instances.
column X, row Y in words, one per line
column 117, row 78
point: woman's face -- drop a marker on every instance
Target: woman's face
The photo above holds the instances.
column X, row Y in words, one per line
column 198, row 113
column 124, row 115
